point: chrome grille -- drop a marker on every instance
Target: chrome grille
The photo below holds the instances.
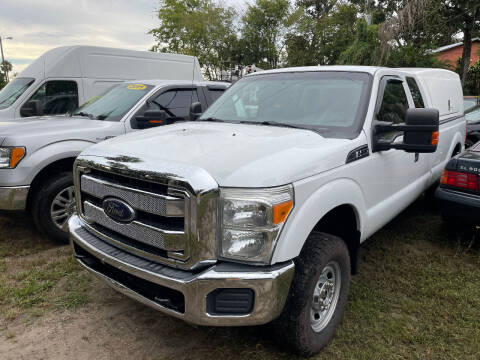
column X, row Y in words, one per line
column 150, row 235
column 160, row 221
column 162, row 205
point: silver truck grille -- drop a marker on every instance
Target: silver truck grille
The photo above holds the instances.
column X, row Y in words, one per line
column 159, row 227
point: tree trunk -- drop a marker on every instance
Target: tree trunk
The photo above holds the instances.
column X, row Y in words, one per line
column 467, row 49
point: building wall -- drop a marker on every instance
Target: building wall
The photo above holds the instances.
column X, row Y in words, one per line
column 452, row 55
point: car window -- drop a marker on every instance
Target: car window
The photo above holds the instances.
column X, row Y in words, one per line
column 415, row 91
column 115, row 103
column 215, row 94
column 394, row 103
column 473, row 116
column 332, row 103
column 57, row 97
column 13, row 91
column 176, row 102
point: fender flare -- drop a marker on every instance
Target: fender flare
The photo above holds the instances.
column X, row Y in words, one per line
column 306, row 215
column 51, row 153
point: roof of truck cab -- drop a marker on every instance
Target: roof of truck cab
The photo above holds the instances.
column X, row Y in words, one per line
column 351, row 68
column 159, row 82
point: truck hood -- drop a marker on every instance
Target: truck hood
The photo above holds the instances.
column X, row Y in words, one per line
column 235, row 155
column 49, row 129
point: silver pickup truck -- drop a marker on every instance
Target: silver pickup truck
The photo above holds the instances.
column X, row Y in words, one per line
column 37, row 154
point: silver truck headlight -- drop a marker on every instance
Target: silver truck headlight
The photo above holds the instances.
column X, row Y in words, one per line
column 251, row 220
column 11, row 156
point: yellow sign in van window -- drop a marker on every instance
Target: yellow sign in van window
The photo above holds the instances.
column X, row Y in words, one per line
column 136, row 87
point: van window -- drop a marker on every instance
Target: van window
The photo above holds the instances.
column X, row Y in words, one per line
column 415, row 91
column 176, row 103
column 13, row 91
column 394, row 103
column 57, row 97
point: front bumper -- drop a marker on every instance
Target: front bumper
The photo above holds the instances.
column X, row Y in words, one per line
column 13, row 198
column 463, row 206
column 184, row 294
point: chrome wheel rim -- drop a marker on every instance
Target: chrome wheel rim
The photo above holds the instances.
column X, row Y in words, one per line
column 325, row 296
column 63, row 206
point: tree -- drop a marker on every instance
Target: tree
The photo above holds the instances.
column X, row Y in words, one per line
column 466, row 15
column 199, row 28
column 262, row 28
column 365, row 49
column 5, row 67
column 322, row 30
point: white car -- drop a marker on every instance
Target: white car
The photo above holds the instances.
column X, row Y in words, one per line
column 255, row 213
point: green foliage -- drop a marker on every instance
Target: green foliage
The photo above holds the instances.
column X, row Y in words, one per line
column 365, row 49
column 199, row 28
column 323, row 29
column 472, row 85
column 262, row 28
column 4, row 66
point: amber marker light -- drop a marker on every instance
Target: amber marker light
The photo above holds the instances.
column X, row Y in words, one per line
column 16, row 155
column 281, row 211
column 434, row 140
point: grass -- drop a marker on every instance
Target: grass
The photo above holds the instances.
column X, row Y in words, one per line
column 36, row 274
column 417, row 296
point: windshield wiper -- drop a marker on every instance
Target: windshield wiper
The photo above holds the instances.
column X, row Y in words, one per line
column 274, row 123
column 212, row 119
column 84, row 114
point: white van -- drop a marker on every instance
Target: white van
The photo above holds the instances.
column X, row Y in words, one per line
column 65, row 77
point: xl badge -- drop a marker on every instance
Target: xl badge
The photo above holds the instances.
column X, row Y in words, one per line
column 118, row 210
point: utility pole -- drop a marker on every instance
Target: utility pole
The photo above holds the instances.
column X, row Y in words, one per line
column 3, row 59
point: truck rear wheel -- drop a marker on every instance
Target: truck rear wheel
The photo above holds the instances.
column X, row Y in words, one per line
column 53, row 204
column 318, row 295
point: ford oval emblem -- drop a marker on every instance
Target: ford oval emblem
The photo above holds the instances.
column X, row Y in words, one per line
column 118, row 210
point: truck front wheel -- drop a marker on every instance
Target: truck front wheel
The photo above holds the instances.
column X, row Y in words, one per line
column 53, row 204
column 317, row 296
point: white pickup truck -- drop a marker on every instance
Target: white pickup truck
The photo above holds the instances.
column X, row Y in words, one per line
column 255, row 212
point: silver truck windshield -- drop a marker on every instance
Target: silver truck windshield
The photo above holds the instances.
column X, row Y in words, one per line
column 332, row 103
column 115, row 103
column 13, row 91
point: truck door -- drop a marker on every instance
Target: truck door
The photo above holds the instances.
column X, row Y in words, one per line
column 392, row 178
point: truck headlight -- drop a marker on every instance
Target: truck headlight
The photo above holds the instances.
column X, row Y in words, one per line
column 11, row 156
column 251, row 220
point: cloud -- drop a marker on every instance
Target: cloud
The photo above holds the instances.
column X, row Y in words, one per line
column 38, row 26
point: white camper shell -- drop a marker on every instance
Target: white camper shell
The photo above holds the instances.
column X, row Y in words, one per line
column 65, row 77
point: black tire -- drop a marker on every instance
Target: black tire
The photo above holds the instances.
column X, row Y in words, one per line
column 42, row 202
column 293, row 327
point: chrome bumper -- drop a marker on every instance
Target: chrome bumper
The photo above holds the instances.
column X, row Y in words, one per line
column 269, row 284
column 13, row 198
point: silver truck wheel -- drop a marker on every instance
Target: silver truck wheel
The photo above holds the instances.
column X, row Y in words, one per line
column 63, row 206
column 317, row 296
column 325, row 296
column 52, row 204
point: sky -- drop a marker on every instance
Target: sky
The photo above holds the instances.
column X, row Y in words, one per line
column 39, row 25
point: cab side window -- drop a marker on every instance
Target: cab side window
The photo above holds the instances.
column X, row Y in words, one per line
column 394, row 103
column 415, row 91
column 176, row 102
column 56, row 97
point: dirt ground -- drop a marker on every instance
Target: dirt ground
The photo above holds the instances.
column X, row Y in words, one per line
column 416, row 297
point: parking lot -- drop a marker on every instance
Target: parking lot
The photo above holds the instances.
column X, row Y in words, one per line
column 417, row 295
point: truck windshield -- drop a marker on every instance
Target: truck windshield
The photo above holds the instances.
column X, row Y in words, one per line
column 115, row 103
column 13, row 91
column 332, row 103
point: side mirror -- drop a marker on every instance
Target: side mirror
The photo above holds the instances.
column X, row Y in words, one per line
column 420, row 132
column 151, row 118
column 31, row 108
column 195, row 111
